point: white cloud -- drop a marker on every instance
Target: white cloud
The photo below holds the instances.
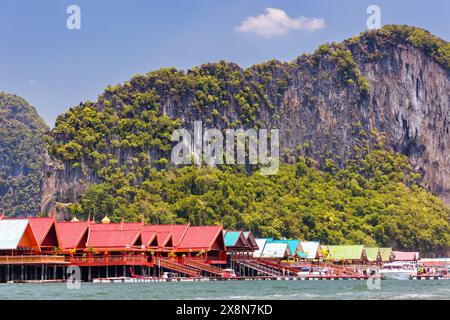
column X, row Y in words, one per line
column 275, row 22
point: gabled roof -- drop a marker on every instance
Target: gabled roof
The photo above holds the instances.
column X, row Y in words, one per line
column 251, row 240
column 276, row 250
column 235, row 239
column 164, row 239
column 346, row 252
column 16, row 234
column 70, row 233
column 385, row 254
column 149, row 237
column 261, row 242
column 202, row 237
column 231, row 237
column 406, row 256
column 372, row 253
column 111, row 238
column 311, row 249
column 42, row 227
column 294, row 245
column 177, row 230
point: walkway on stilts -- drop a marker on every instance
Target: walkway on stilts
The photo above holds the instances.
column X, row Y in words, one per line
column 178, row 267
column 203, row 267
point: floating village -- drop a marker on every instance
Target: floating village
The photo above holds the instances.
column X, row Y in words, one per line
column 40, row 250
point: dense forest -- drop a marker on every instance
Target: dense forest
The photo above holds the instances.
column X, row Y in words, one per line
column 374, row 200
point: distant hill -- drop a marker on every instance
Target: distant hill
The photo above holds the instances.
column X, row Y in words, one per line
column 21, row 156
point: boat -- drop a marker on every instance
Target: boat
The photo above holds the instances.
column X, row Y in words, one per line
column 398, row 271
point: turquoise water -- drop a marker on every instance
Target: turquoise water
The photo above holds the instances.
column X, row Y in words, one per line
column 233, row 290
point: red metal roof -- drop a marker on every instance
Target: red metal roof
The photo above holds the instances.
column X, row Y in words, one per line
column 177, row 231
column 163, row 239
column 112, row 238
column 148, row 237
column 41, row 227
column 201, row 237
column 70, row 233
column 116, row 226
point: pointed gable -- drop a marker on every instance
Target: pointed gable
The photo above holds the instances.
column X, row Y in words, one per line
column 251, row 240
column 72, row 235
column 111, row 238
column 16, row 234
column 373, row 254
column 311, row 249
column 45, row 231
column 203, row 238
column 346, row 252
column 277, row 250
column 235, row 240
column 405, row 256
column 149, row 239
column 261, row 242
column 294, row 246
column 164, row 239
column 177, row 231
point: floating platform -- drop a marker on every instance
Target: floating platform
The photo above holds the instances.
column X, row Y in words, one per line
column 192, row 279
column 430, row 277
column 38, row 281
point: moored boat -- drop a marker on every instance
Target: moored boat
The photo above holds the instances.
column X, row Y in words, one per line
column 398, row 271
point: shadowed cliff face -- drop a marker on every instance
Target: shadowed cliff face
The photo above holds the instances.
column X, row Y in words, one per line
column 21, row 149
column 410, row 103
column 324, row 104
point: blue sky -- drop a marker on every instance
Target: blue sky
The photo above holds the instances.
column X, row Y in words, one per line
column 55, row 68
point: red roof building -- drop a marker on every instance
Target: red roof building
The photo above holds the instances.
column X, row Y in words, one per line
column 45, row 232
column 177, row 231
column 72, row 235
column 114, row 239
column 149, row 239
column 202, row 238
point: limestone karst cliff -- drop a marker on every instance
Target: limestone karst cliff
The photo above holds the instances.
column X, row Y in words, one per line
column 391, row 83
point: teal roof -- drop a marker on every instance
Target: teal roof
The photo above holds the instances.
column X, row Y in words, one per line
column 231, row 237
column 293, row 244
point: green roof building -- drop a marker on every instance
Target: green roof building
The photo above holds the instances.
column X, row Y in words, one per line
column 346, row 253
column 373, row 254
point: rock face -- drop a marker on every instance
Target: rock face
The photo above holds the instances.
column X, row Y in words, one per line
column 393, row 82
column 21, row 156
column 410, row 102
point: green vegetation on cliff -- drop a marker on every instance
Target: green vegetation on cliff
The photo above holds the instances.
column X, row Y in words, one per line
column 122, row 142
column 21, row 156
column 373, row 200
column 434, row 47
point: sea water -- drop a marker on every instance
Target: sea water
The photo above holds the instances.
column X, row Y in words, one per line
column 233, row 290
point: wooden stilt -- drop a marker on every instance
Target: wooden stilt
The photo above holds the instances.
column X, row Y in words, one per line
column 89, row 274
